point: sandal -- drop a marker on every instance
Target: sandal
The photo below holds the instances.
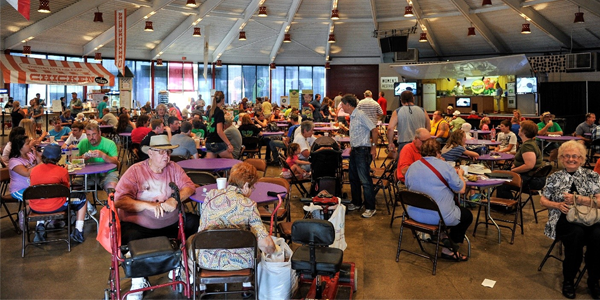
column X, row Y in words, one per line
column 450, row 244
column 455, row 257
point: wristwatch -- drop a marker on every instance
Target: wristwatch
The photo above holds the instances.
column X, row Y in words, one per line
column 372, row 144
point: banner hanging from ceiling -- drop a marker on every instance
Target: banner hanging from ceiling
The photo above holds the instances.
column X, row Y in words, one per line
column 22, row 69
column 120, row 39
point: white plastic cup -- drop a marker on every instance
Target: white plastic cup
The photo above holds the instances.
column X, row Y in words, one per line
column 221, row 183
column 465, row 169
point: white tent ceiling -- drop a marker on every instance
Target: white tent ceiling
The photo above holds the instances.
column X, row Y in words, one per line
column 70, row 29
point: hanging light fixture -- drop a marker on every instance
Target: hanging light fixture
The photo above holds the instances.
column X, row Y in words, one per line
column 331, row 39
column 219, row 63
column 149, row 26
column 327, row 66
column 525, row 29
column 486, row 3
column 98, row 56
column 26, row 50
column 191, row 3
column 272, row 66
column 197, row 32
column 579, row 16
column 98, row 16
column 242, row 36
column 335, row 14
column 44, row 6
column 471, row 31
column 423, row 37
column 408, row 12
column 159, row 62
column 262, row 11
column 287, row 38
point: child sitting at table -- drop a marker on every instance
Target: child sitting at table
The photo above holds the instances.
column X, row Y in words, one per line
column 49, row 173
column 466, row 127
column 294, row 163
column 455, row 147
column 507, row 138
column 484, row 124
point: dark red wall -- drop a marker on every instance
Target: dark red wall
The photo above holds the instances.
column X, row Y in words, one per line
column 353, row 79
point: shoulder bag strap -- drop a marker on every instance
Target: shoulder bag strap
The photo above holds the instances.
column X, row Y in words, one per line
column 435, row 172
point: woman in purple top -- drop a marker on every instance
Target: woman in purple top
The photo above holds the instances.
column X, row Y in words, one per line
column 23, row 157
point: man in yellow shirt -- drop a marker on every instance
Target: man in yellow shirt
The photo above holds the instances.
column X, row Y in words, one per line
column 266, row 107
column 439, row 127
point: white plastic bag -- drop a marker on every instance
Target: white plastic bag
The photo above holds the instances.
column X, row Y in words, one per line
column 338, row 219
column 276, row 279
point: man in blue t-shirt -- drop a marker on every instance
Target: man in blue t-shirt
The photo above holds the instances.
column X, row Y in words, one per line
column 59, row 132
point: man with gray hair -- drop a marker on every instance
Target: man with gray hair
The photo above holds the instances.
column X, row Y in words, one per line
column 187, row 146
column 305, row 138
column 370, row 107
column 233, row 135
column 363, row 140
column 411, row 152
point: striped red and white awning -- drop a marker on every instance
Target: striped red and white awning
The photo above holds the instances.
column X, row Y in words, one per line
column 22, row 69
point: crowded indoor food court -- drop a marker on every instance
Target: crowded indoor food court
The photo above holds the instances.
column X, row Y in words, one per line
column 299, row 149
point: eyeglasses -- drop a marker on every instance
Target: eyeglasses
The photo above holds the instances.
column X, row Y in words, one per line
column 574, row 156
column 162, row 151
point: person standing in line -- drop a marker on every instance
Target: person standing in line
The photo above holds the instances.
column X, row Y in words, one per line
column 217, row 143
column 316, row 108
column 101, row 106
column 382, row 102
column 370, row 107
column 267, row 108
column 407, row 118
column 76, row 104
column 498, row 97
column 363, row 140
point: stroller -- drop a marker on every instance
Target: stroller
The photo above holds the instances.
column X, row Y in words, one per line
column 326, row 166
column 147, row 257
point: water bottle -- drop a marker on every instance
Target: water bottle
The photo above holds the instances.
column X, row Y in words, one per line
column 493, row 134
column 484, row 149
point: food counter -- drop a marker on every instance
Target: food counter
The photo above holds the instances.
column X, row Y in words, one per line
column 481, row 104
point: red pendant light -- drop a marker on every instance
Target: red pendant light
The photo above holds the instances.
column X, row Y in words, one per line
column 335, row 14
column 408, row 11
column 471, row 31
column 262, row 11
column 148, row 26
column 423, row 37
column 331, row 39
column 287, row 38
column 486, row 3
column 242, row 36
column 197, row 32
column 98, row 17
column 525, row 29
column 159, row 62
column 579, row 16
column 191, row 3
column 44, row 6
column 219, row 63
column 98, row 56
column 327, row 66
column 26, row 50
column 272, row 66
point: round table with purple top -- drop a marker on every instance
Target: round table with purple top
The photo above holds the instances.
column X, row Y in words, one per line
column 496, row 157
column 346, row 153
column 487, row 185
column 482, row 142
column 559, row 139
column 91, row 169
column 326, row 128
column 345, row 139
column 105, row 126
column 259, row 194
column 272, row 133
column 322, row 124
column 208, row 164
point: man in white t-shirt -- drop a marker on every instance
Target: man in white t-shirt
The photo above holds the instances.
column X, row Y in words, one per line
column 303, row 136
column 76, row 135
column 507, row 138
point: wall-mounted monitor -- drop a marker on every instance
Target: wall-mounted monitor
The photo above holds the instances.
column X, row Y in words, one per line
column 400, row 87
column 394, row 44
column 526, row 85
column 463, row 102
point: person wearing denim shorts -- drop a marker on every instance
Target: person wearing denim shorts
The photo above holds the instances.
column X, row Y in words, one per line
column 217, row 144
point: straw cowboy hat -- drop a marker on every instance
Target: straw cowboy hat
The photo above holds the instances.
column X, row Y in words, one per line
column 159, row 142
column 547, row 114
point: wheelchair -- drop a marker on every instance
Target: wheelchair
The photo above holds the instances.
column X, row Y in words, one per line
column 147, row 257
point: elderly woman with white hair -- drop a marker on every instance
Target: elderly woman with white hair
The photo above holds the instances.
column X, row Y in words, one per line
column 573, row 185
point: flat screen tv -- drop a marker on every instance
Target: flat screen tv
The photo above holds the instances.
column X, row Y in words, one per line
column 400, row 87
column 394, row 44
column 526, row 85
column 463, row 102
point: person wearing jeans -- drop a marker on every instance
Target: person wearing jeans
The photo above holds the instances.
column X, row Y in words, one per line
column 363, row 139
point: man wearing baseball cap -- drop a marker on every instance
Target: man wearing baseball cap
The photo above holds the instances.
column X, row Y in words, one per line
column 547, row 127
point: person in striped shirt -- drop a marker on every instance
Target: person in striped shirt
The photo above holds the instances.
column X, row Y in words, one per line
column 370, row 107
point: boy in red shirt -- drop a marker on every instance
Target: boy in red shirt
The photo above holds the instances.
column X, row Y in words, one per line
column 49, row 173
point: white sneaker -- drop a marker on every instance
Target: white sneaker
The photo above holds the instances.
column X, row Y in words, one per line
column 137, row 283
column 369, row 213
column 178, row 271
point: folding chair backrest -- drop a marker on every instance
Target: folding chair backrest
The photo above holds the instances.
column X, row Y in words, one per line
column 202, row 178
column 419, row 200
column 177, row 158
column 276, row 180
column 45, row 191
column 225, row 239
column 4, row 180
column 313, row 231
column 516, row 183
column 259, row 164
column 251, row 143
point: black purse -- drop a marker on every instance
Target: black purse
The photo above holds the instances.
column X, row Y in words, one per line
column 151, row 256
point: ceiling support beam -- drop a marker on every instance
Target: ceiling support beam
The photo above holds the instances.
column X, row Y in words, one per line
column 132, row 20
column 53, row 20
column 486, row 33
column 542, row 23
column 188, row 23
column 589, row 5
column 284, row 27
column 234, row 31
column 426, row 27
column 330, row 29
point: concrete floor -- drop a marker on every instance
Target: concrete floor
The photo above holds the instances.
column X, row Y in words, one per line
column 50, row 272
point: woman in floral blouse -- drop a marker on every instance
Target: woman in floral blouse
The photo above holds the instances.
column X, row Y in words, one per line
column 231, row 208
column 563, row 188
